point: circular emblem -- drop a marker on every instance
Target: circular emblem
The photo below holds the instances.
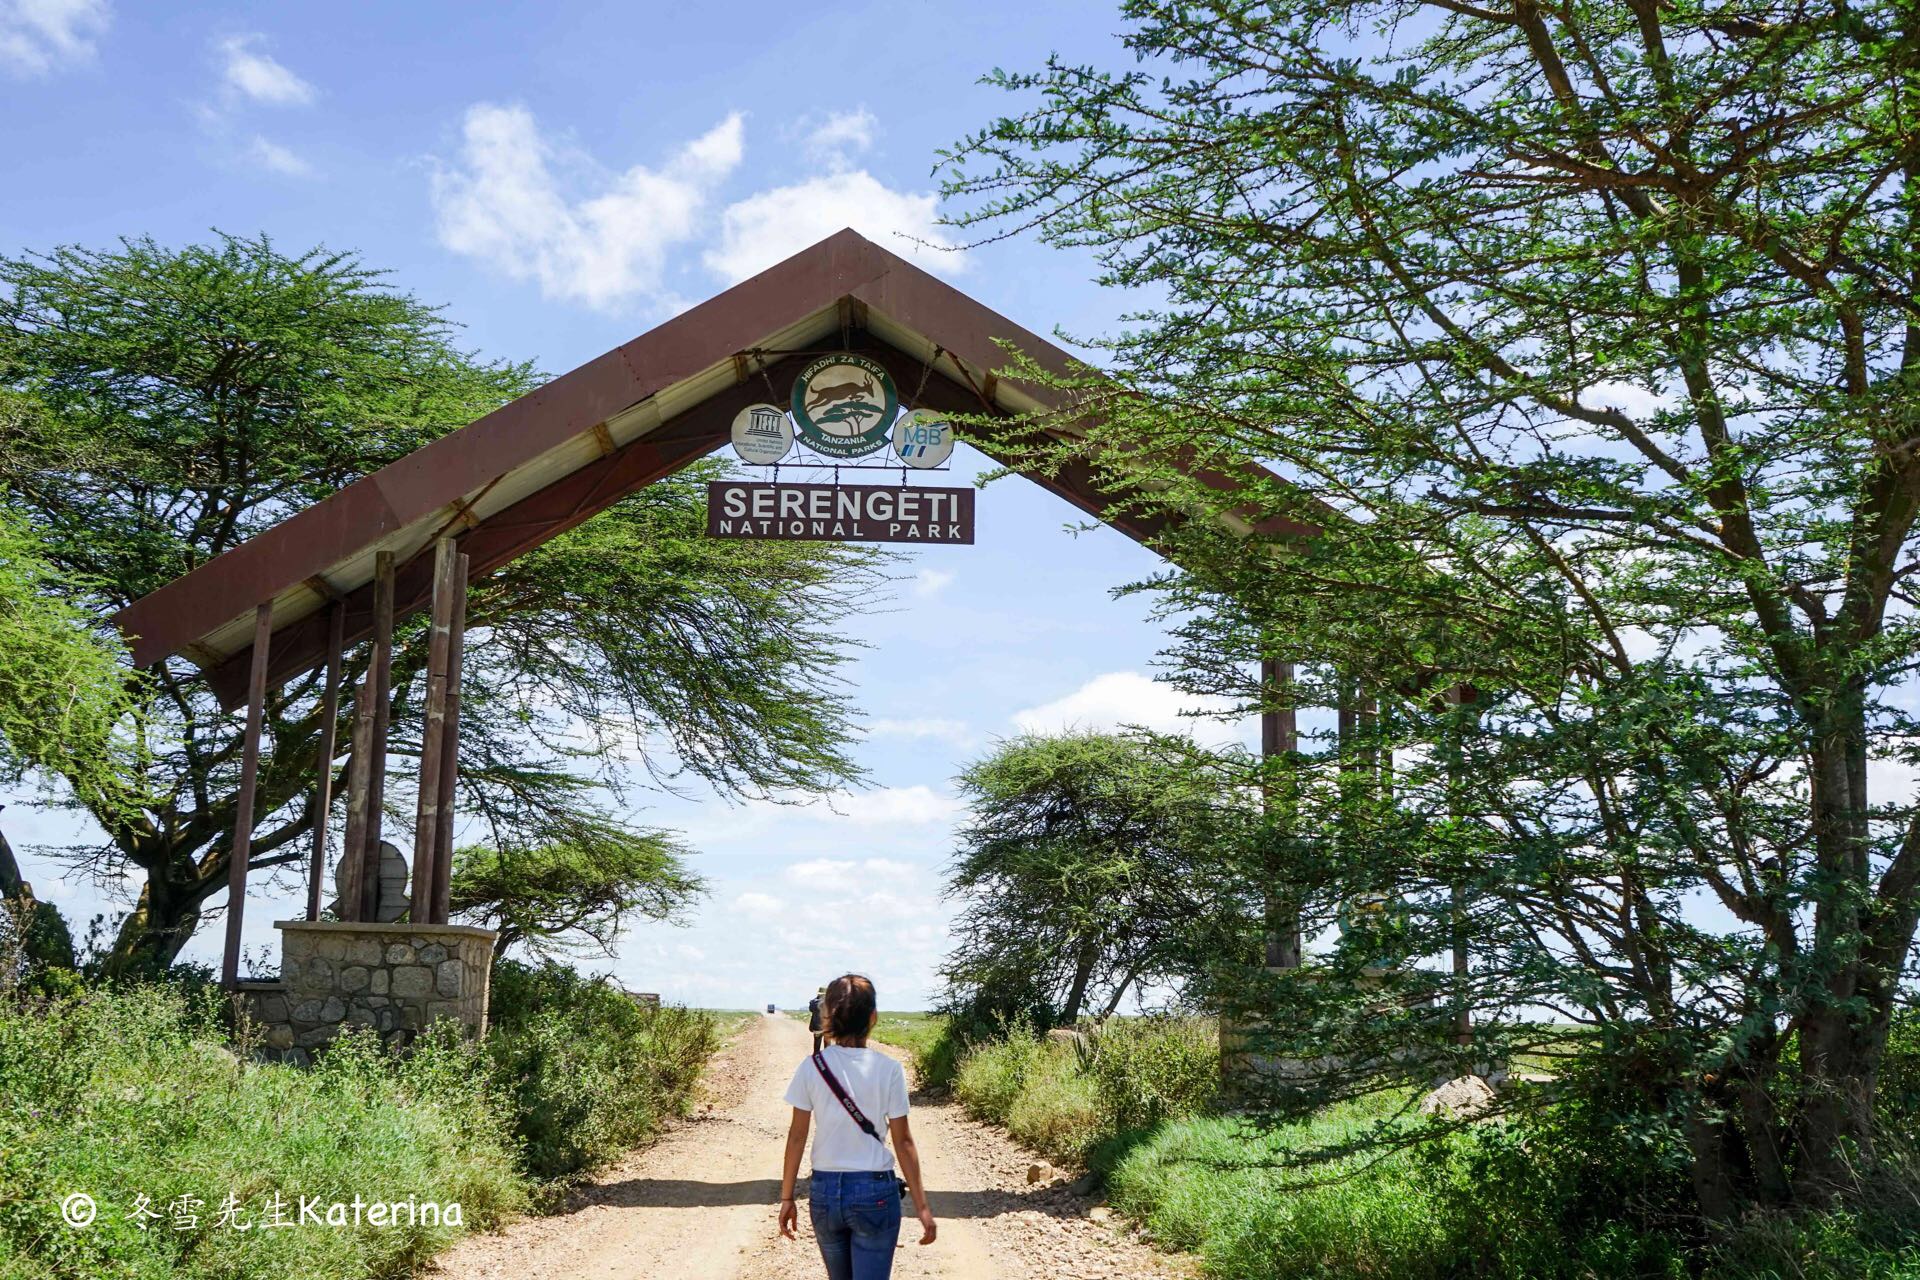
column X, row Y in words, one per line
column 762, row 434
column 923, row 438
column 843, row 405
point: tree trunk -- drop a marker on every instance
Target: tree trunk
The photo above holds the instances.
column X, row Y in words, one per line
column 1077, row 994
column 1844, row 1027
column 1840, row 1060
column 160, row 924
column 11, row 883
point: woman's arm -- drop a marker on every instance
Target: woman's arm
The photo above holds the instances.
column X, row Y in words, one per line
column 790, row 1170
column 909, row 1154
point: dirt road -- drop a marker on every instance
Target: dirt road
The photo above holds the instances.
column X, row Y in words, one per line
column 700, row 1203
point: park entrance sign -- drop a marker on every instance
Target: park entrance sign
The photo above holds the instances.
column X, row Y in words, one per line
column 844, row 407
column 839, row 513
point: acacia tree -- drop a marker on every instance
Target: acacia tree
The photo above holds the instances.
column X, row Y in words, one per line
column 1588, row 333
column 573, row 894
column 225, row 386
column 1090, row 862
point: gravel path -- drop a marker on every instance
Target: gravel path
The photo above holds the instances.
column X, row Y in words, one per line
column 700, row 1203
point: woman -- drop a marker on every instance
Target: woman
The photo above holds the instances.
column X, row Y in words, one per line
column 857, row 1096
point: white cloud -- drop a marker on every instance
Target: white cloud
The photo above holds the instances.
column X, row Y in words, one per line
column 1120, row 699
column 847, row 874
column 928, row 583
column 771, row 225
column 953, row 731
column 841, row 136
column 251, row 73
column 277, row 159
column 917, row 805
column 535, row 211
column 36, row 36
column 759, row 906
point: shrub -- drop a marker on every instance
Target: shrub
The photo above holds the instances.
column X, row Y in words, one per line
column 1899, row 1096
column 991, row 1075
column 587, row 1072
column 1221, row 1186
column 936, row 1060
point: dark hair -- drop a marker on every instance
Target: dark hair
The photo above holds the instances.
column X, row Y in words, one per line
column 849, row 1008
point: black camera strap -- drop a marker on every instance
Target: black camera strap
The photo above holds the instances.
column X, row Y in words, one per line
column 846, row 1099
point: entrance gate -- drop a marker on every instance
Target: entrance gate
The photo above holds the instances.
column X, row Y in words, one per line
column 410, row 536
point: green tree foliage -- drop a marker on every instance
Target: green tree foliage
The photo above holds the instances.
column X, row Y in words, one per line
column 1089, row 862
column 222, row 387
column 580, row 892
column 1587, row 334
column 65, row 704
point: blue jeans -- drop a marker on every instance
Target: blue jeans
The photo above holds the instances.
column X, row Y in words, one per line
column 856, row 1219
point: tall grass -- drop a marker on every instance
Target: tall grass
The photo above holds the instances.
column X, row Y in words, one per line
column 135, row 1098
column 1063, row 1100
column 139, row 1098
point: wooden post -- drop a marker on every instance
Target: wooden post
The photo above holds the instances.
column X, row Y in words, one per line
column 358, row 765
column 450, row 749
column 426, row 818
column 380, row 678
column 243, row 805
column 323, row 763
column 1279, row 735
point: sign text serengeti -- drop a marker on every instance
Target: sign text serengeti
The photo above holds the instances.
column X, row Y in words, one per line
column 839, row 513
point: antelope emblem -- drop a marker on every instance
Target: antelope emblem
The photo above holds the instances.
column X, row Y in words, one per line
column 819, row 396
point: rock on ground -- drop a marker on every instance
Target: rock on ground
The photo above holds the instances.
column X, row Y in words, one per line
column 1462, row 1098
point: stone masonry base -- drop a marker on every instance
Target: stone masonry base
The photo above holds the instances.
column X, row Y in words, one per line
column 395, row 979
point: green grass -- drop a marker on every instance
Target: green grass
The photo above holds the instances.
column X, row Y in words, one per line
column 910, row 1031
column 1215, row 1186
column 728, row 1023
column 914, row 1032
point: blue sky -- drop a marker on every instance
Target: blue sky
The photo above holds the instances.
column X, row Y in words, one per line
column 562, row 177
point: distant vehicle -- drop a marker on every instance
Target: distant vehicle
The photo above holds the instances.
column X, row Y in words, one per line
column 771, row 1009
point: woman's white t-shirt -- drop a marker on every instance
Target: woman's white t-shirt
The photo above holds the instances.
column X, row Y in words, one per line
column 878, row 1087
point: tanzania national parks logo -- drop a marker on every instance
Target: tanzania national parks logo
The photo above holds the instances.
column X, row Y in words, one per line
column 844, row 405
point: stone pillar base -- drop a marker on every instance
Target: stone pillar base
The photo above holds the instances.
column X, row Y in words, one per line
column 394, row 979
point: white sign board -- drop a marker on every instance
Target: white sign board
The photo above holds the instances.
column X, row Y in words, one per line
column 762, row 434
column 923, row 438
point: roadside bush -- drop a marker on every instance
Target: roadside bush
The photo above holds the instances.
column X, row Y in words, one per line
column 1899, row 1097
column 587, row 1072
column 936, row 1060
column 135, row 1098
column 1146, row 1070
column 1035, row 1090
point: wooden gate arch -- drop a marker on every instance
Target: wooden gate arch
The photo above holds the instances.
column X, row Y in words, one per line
column 409, row 536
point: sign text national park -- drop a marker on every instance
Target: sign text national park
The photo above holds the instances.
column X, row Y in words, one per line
column 839, row 513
